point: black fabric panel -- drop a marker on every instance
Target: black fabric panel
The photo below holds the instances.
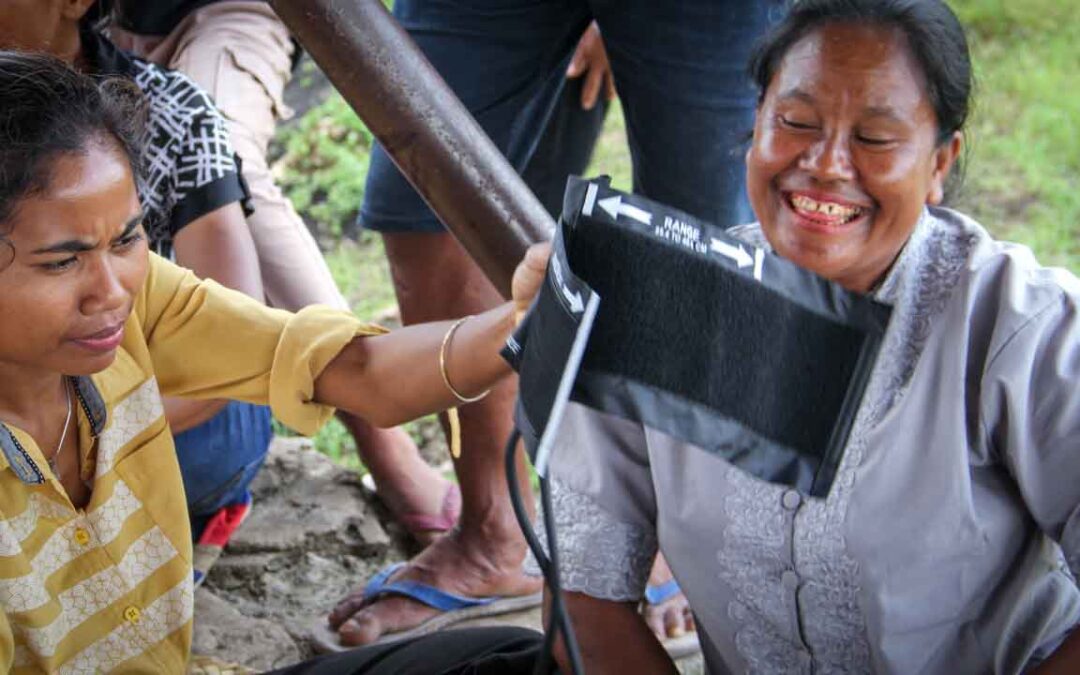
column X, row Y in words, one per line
column 684, row 325
column 544, row 362
column 541, row 347
column 208, row 198
column 701, row 426
column 699, row 336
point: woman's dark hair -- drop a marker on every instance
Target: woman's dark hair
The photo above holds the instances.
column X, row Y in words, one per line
column 933, row 33
column 48, row 110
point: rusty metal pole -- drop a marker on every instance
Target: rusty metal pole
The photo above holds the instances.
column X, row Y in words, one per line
column 424, row 128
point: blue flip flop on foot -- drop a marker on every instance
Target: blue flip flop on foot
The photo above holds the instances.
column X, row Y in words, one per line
column 452, row 608
column 676, row 647
column 654, row 595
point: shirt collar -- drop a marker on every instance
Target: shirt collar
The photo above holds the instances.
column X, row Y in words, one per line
column 909, row 260
column 14, row 455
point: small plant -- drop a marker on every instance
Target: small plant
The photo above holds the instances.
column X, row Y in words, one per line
column 324, row 166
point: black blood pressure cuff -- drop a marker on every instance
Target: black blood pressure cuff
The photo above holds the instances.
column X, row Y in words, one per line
column 652, row 315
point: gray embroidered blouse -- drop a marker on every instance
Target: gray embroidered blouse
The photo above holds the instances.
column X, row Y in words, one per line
column 939, row 548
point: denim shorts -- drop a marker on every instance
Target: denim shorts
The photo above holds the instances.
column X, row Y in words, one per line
column 680, row 69
column 220, row 457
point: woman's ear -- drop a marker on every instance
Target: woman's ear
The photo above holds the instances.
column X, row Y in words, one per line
column 944, row 158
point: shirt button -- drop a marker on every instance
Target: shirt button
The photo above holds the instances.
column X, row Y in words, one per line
column 791, row 500
column 789, row 580
column 132, row 614
column 82, row 537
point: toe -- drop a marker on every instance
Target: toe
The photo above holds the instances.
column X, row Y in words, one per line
column 673, row 623
column 361, row 629
column 688, row 620
column 345, row 609
column 381, row 617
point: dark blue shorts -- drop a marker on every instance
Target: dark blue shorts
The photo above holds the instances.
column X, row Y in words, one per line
column 680, row 69
column 220, row 457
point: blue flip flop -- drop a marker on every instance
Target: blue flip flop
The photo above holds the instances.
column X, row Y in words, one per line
column 676, row 647
column 654, row 595
column 453, row 608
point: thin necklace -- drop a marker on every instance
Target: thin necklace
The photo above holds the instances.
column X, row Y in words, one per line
column 53, row 462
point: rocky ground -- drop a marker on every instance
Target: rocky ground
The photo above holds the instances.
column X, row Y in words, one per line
column 313, row 534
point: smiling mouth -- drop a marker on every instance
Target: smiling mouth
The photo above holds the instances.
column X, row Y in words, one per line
column 827, row 213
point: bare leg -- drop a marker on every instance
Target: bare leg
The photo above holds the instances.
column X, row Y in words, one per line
column 406, row 483
column 435, row 279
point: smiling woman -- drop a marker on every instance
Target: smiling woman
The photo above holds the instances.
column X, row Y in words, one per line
column 858, row 128
column 946, row 541
column 95, row 548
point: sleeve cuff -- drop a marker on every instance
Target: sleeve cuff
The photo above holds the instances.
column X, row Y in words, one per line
column 207, row 198
column 598, row 555
column 310, row 341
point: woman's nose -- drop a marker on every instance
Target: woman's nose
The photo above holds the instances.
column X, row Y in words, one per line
column 105, row 291
column 829, row 159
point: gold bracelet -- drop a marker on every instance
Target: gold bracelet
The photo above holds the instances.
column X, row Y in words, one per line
column 442, row 364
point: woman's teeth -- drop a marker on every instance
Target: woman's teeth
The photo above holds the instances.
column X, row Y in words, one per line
column 833, row 211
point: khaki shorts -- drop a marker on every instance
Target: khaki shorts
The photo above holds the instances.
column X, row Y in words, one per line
column 241, row 53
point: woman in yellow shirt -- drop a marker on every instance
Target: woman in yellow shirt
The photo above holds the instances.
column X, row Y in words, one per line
column 95, row 548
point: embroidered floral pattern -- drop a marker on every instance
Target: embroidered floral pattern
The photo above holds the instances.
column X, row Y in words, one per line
column 831, row 621
column 600, row 556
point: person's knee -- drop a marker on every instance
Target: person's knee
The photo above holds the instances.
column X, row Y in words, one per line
column 220, row 458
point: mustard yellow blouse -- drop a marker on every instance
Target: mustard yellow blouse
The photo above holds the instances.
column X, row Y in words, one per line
column 109, row 587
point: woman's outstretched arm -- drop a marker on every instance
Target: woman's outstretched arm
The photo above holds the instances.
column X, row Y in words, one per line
column 389, row 379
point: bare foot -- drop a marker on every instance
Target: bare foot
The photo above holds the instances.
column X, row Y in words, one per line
column 670, row 618
column 451, row 564
column 405, row 483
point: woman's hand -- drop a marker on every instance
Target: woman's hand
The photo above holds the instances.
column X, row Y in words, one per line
column 528, row 276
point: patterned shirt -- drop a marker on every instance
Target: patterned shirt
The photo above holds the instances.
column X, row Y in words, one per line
column 109, row 587
column 940, row 546
column 189, row 168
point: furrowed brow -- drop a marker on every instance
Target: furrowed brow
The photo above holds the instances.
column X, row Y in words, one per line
column 77, row 246
column 70, row 246
column 130, row 226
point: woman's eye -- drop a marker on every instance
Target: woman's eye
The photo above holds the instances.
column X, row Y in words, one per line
column 129, row 241
column 58, row 265
column 872, row 140
column 796, row 124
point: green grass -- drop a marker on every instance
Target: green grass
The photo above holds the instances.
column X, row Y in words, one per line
column 1023, row 177
column 612, row 156
column 1023, row 180
column 324, row 166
